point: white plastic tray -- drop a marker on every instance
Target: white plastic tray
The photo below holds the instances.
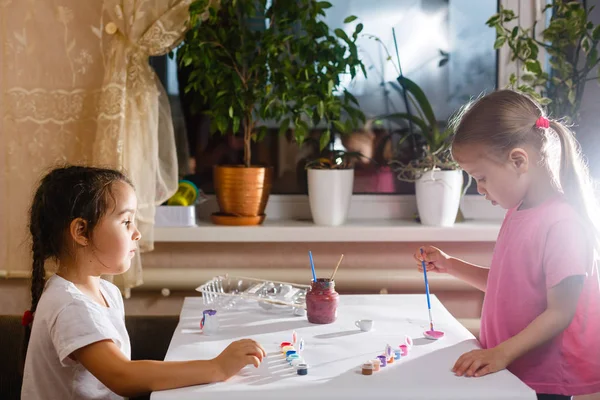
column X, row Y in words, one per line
column 224, row 291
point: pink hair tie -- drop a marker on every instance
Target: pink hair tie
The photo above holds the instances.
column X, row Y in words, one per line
column 542, row 122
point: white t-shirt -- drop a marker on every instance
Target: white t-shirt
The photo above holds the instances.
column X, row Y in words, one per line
column 67, row 320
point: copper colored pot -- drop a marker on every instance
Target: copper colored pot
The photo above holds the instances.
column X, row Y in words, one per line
column 242, row 191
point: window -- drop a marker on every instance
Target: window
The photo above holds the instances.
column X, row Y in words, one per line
column 443, row 45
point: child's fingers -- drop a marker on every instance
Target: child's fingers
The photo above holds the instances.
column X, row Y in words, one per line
column 253, row 360
column 262, row 349
column 484, row 371
column 430, row 267
column 462, row 363
column 474, row 367
column 254, row 349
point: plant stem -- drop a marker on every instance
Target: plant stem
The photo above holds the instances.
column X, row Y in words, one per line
column 247, row 140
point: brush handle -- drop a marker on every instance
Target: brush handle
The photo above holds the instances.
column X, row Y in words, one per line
column 424, row 265
column 336, row 267
column 312, row 266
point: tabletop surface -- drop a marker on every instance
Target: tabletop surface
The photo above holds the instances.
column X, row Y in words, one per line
column 335, row 353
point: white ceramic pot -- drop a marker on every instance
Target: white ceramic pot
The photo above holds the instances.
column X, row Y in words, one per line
column 438, row 197
column 329, row 195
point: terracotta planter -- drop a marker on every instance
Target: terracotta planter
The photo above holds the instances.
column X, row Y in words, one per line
column 242, row 192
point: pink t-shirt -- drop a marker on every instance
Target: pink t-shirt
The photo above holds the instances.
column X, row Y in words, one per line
column 536, row 249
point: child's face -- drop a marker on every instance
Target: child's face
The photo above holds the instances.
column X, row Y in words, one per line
column 500, row 181
column 115, row 236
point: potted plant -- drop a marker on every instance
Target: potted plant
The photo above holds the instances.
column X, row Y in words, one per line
column 438, row 178
column 335, row 110
column 255, row 61
column 330, row 186
column 571, row 42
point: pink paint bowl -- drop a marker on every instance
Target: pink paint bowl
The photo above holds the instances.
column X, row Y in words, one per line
column 433, row 335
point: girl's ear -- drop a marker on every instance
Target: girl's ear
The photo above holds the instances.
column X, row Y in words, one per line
column 78, row 229
column 519, row 159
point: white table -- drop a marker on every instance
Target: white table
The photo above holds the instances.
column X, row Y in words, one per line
column 336, row 351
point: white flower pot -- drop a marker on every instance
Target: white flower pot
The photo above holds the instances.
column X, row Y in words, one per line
column 329, row 195
column 438, row 197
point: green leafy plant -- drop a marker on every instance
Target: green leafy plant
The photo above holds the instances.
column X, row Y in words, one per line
column 422, row 123
column 571, row 42
column 436, row 150
column 255, row 61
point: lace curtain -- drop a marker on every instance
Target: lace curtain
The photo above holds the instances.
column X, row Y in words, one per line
column 76, row 87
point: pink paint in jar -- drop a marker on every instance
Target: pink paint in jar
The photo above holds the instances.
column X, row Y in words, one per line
column 322, row 302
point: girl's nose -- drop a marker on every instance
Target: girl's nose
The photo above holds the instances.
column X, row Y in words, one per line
column 137, row 235
column 481, row 190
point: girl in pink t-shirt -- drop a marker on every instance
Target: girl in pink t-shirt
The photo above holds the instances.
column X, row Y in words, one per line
column 541, row 313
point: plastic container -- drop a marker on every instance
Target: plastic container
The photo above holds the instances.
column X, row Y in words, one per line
column 173, row 216
column 225, row 291
column 322, row 302
column 186, row 195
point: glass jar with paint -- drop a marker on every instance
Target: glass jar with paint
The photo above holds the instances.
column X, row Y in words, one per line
column 322, row 302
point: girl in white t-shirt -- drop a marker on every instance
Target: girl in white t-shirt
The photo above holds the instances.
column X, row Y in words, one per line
column 76, row 343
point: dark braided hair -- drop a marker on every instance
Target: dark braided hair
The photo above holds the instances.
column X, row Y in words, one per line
column 64, row 194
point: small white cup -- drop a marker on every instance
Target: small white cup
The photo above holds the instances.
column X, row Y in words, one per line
column 364, row 325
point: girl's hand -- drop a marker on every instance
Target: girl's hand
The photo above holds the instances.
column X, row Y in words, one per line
column 481, row 362
column 237, row 355
column 436, row 260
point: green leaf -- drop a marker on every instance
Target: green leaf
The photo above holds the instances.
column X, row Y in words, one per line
column 236, row 125
column 527, row 78
column 351, row 97
column 285, row 124
column 222, row 124
column 571, row 96
column 493, row 20
column 514, row 32
column 339, row 126
column 420, row 97
column 350, row 19
column 230, row 111
column 349, row 125
column 323, row 5
column 329, row 87
column 321, row 109
column 499, row 42
column 586, row 45
column 324, row 139
column 359, row 28
column 300, row 133
column 342, row 35
column 260, row 134
column 596, row 33
column 533, row 66
column 311, row 100
column 593, row 56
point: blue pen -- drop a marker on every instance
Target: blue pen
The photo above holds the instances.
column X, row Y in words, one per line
column 426, row 288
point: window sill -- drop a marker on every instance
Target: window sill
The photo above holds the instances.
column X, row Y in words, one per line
column 358, row 230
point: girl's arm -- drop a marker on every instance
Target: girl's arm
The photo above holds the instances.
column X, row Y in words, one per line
column 129, row 378
column 474, row 275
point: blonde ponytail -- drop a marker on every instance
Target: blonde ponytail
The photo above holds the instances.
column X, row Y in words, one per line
column 575, row 182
